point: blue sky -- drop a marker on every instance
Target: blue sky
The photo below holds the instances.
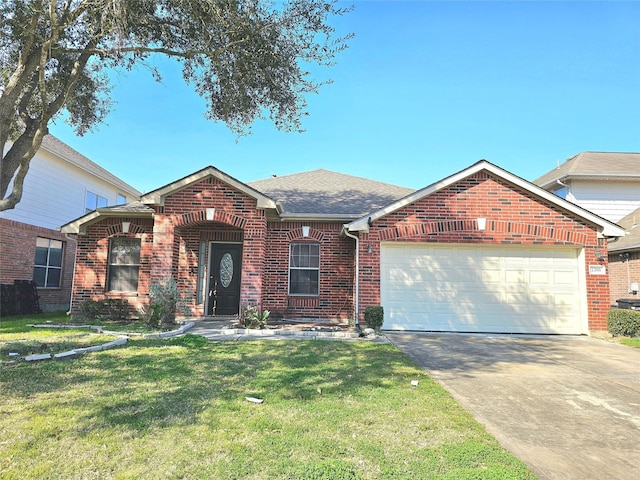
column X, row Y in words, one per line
column 425, row 90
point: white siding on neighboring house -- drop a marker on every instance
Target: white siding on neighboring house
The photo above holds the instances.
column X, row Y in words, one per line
column 611, row 200
column 54, row 192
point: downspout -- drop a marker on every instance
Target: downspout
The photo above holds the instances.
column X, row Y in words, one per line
column 73, row 275
column 357, row 276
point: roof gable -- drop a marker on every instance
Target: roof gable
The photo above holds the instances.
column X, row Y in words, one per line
column 605, row 227
column 158, row 196
column 326, row 194
column 594, row 165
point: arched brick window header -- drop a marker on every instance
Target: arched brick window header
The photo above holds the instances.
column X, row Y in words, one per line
column 298, row 235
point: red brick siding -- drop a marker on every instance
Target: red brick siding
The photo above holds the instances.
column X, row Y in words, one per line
column 189, row 239
column 622, row 272
column 171, row 242
column 232, row 208
column 91, row 262
column 335, row 300
column 17, row 254
column 513, row 217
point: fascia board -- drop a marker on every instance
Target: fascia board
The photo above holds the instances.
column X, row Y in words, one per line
column 99, row 172
column 80, row 225
column 314, row 217
column 607, row 228
column 157, row 197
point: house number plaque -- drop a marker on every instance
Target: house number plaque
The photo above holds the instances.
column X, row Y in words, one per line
column 226, row 269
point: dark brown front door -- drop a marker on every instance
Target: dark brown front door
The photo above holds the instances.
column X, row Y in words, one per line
column 224, row 279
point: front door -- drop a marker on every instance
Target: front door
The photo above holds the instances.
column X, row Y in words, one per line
column 224, row 279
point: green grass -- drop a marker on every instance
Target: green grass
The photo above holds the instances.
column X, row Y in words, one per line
column 18, row 337
column 177, row 409
column 632, row 342
column 19, row 322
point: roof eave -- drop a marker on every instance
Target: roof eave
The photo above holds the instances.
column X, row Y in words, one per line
column 80, row 225
column 624, row 248
column 125, row 187
column 317, row 217
column 605, row 227
column 569, row 177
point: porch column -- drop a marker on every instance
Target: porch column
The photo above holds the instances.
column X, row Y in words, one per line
column 253, row 254
column 163, row 239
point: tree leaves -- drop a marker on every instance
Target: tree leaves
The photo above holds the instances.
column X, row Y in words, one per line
column 245, row 58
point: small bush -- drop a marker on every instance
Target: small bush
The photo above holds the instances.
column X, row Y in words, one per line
column 623, row 323
column 251, row 317
column 374, row 316
column 105, row 309
column 164, row 301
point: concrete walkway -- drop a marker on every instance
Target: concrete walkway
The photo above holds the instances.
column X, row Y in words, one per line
column 569, row 407
column 219, row 330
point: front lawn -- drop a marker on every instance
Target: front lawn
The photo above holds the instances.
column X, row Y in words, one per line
column 177, row 409
column 632, row 342
column 16, row 336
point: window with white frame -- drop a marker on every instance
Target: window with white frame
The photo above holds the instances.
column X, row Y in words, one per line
column 47, row 267
column 124, row 264
column 120, row 199
column 93, row 201
column 304, row 269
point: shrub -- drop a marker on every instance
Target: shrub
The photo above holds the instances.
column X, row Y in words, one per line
column 374, row 316
column 105, row 309
column 164, row 301
column 625, row 323
column 251, row 317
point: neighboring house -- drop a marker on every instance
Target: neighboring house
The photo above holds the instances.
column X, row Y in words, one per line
column 624, row 260
column 608, row 184
column 61, row 185
column 480, row 251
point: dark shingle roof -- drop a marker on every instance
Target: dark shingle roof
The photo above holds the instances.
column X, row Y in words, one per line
column 596, row 165
column 631, row 241
column 324, row 192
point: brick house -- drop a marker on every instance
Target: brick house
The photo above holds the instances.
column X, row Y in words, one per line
column 61, row 185
column 624, row 260
column 608, row 184
column 481, row 250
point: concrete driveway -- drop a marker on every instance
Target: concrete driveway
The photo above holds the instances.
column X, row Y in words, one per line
column 569, row 407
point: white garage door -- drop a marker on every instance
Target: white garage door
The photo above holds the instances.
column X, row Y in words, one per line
column 464, row 288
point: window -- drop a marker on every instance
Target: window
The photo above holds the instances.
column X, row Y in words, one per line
column 120, row 199
column 93, row 201
column 304, row 269
column 47, row 267
column 124, row 263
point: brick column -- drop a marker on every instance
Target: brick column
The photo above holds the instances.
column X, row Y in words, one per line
column 253, row 254
column 163, row 240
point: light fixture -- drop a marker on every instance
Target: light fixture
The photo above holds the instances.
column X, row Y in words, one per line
column 305, row 231
column 482, row 223
column 210, row 213
column 369, row 249
column 125, row 227
column 599, row 255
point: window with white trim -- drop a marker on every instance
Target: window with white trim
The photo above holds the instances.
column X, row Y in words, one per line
column 124, row 264
column 47, row 266
column 304, row 269
column 93, row 201
column 120, row 199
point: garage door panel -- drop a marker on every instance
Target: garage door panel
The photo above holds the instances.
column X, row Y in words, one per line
column 481, row 288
